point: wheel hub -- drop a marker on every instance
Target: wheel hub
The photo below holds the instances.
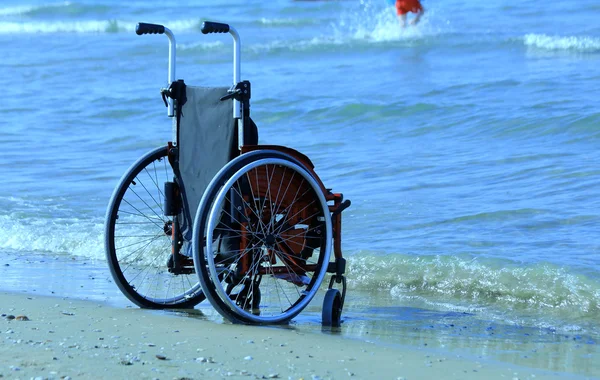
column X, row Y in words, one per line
column 269, row 240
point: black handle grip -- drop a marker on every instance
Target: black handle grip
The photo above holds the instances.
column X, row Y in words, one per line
column 214, row 27
column 144, row 28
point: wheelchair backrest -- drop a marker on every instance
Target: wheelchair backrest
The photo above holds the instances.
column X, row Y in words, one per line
column 206, row 140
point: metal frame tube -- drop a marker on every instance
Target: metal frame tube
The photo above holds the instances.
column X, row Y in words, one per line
column 237, row 110
column 236, row 68
column 171, row 78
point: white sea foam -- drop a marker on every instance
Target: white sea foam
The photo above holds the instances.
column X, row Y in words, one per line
column 42, row 27
column 88, row 26
column 201, row 46
column 18, row 10
column 300, row 45
column 374, row 24
column 285, row 21
column 581, row 43
column 360, row 35
column 58, row 236
column 24, row 9
column 380, row 28
column 542, row 286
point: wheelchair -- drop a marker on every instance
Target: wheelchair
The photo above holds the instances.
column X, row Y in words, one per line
column 214, row 215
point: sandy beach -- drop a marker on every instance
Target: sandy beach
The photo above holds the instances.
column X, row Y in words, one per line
column 78, row 325
column 467, row 144
column 58, row 338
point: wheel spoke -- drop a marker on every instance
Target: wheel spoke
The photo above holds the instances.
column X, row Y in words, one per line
column 139, row 239
column 282, row 205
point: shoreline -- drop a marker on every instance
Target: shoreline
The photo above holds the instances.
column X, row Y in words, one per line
column 423, row 341
column 85, row 339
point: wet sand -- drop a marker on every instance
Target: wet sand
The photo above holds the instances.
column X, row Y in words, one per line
column 80, row 326
column 83, row 339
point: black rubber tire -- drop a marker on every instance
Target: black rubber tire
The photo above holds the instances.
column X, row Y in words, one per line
column 140, row 190
column 200, row 224
column 332, row 308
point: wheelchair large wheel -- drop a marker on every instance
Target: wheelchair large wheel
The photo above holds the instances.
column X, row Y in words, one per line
column 262, row 238
column 138, row 239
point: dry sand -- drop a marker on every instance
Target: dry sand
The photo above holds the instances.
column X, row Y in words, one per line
column 67, row 338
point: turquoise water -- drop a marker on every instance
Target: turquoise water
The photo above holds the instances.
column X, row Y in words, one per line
column 468, row 144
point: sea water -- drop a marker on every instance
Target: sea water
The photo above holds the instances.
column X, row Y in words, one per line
column 468, row 145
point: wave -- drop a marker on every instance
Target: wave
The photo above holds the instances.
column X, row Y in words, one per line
column 27, row 230
column 271, row 47
column 316, row 44
column 358, row 39
column 21, row 10
column 203, row 46
column 467, row 284
column 381, row 26
column 108, row 26
column 18, row 10
column 66, row 8
column 352, row 30
column 550, row 294
column 570, row 43
column 87, row 26
column 46, row 226
column 284, row 22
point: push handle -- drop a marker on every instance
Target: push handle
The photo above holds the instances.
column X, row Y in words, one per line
column 214, row 27
column 144, row 28
column 217, row 27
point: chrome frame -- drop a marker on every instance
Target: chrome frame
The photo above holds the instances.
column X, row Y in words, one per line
column 171, row 76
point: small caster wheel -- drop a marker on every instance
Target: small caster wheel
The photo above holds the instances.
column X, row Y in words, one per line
column 332, row 308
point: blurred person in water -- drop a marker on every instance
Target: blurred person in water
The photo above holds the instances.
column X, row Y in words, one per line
column 405, row 6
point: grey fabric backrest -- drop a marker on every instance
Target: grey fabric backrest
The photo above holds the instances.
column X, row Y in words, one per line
column 206, row 134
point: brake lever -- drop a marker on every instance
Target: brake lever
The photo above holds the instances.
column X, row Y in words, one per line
column 163, row 93
column 231, row 94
